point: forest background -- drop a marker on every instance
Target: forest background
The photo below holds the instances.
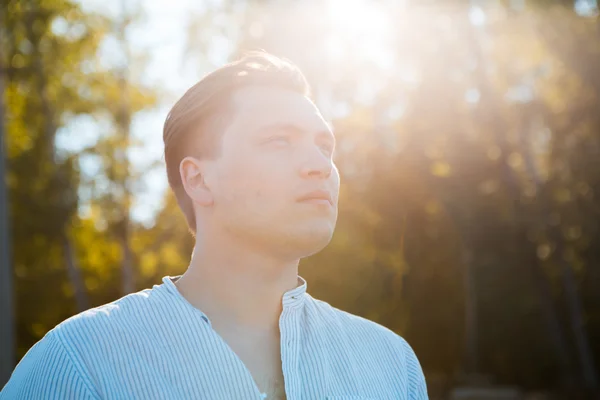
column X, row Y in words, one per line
column 468, row 144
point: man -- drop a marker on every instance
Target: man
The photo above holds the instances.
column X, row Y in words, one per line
column 249, row 158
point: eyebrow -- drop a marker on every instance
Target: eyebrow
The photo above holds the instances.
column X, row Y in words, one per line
column 295, row 129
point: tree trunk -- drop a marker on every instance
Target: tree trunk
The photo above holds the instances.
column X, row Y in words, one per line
column 127, row 276
column 7, row 336
column 67, row 203
column 582, row 341
column 550, row 316
column 471, row 336
column 488, row 105
column 124, row 125
column 74, row 273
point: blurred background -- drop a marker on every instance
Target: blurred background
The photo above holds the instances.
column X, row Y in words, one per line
column 468, row 144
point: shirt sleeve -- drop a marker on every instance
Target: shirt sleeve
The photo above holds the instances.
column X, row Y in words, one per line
column 48, row 371
column 417, row 387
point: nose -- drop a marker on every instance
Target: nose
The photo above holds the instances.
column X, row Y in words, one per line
column 316, row 165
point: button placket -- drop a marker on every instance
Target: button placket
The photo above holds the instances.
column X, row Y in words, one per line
column 290, row 363
column 286, row 327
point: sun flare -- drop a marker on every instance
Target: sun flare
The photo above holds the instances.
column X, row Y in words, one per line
column 357, row 26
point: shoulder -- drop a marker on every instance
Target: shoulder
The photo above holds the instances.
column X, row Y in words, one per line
column 49, row 370
column 359, row 328
column 117, row 314
column 121, row 321
column 369, row 340
column 76, row 347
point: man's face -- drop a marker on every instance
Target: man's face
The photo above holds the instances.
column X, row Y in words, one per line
column 274, row 183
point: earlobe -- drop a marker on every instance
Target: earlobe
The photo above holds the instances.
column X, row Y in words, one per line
column 193, row 181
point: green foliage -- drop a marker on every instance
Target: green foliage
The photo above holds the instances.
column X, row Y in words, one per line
column 52, row 74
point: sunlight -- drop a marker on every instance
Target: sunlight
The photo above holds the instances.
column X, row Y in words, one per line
column 358, row 26
column 357, row 17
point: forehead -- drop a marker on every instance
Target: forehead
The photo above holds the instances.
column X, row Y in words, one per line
column 258, row 106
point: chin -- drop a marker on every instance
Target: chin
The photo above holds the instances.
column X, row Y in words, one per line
column 310, row 241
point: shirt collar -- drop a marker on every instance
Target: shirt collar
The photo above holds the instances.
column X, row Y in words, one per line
column 295, row 296
column 291, row 298
column 169, row 284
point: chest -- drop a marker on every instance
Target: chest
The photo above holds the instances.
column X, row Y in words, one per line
column 196, row 361
column 261, row 356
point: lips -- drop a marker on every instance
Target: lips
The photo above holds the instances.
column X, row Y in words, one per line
column 317, row 197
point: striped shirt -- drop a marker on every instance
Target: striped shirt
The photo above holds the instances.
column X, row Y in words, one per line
column 153, row 344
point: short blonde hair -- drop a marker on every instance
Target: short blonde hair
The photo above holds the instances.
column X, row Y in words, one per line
column 195, row 123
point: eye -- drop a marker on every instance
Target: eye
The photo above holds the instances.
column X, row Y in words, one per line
column 279, row 140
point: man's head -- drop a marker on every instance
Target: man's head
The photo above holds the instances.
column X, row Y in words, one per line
column 248, row 154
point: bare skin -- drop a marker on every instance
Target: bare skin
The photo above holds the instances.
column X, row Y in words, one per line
column 253, row 226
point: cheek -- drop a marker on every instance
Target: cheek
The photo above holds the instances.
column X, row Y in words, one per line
column 250, row 180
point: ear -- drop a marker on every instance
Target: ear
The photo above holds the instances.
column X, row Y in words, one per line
column 192, row 177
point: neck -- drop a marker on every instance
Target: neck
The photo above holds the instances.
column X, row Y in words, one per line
column 236, row 286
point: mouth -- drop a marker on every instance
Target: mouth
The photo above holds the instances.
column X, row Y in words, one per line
column 321, row 197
